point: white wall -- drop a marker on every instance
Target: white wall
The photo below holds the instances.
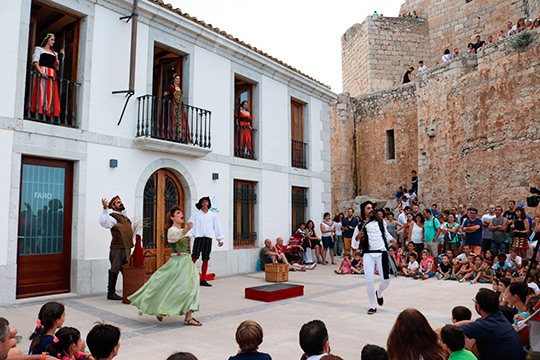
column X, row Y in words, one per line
column 10, row 22
column 6, row 146
column 211, row 90
column 274, row 201
column 276, row 127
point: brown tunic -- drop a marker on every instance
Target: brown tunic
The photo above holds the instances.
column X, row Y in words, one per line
column 120, row 230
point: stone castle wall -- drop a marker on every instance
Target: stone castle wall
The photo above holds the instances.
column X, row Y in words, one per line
column 394, row 109
column 384, row 47
column 342, row 145
column 534, row 9
column 391, row 45
column 355, row 59
column 470, row 128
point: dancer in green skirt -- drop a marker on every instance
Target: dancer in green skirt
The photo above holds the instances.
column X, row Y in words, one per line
column 174, row 288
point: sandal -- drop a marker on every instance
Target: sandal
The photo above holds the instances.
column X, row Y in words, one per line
column 192, row 322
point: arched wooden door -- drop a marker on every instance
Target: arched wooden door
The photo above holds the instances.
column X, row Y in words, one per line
column 161, row 192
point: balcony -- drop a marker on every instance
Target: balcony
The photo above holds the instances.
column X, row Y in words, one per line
column 50, row 99
column 298, row 154
column 165, row 125
column 243, row 142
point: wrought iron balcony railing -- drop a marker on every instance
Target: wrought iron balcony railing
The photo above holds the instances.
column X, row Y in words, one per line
column 50, row 99
column 298, row 154
column 169, row 120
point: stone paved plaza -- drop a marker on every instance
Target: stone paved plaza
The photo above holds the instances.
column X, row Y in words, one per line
column 339, row 300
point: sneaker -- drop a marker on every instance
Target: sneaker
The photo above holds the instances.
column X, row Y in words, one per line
column 371, row 311
column 438, row 276
column 422, row 276
column 461, row 280
column 447, row 277
column 312, row 266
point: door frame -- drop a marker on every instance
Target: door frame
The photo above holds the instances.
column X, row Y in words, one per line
column 161, row 251
column 65, row 257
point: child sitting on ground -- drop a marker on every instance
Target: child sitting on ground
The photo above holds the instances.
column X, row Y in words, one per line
column 460, row 313
column 103, row 341
column 50, row 318
column 426, row 266
column 486, row 274
column 356, row 264
column 461, row 259
column 476, row 267
column 502, row 265
column 345, row 267
column 465, row 268
column 67, row 345
column 249, row 335
column 445, row 269
column 453, row 339
column 373, row 352
column 412, row 269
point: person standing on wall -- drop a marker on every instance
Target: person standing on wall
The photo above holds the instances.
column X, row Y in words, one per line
column 374, row 237
column 122, row 240
column 206, row 225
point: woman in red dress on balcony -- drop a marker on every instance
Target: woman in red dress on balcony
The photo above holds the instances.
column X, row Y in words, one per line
column 45, row 96
column 176, row 127
column 242, row 135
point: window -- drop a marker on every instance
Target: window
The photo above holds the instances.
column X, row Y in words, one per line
column 298, row 146
column 51, row 89
column 243, row 119
column 390, row 147
column 244, row 211
column 299, row 206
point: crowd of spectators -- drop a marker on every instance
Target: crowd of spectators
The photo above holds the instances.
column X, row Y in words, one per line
column 511, row 29
column 491, row 336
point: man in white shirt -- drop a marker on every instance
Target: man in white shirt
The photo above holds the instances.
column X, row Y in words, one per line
column 206, row 225
column 374, row 236
column 314, row 340
column 421, row 66
column 122, row 238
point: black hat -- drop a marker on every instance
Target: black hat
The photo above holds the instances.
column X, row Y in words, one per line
column 363, row 206
column 199, row 204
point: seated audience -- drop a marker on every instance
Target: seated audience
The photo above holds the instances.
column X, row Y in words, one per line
column 269, row 256
column 8, row 345
column 356, row 264
column 50, row 318
column 182, row 356
column 314, row 340
column 373, row 352
column 453, row 340
column 345, row 267
column 68, row 344
column 495, row 338
column 103, row 341
column 444, row 271
column 460, row 313
column 516, row 295
column 426, row 266
column 291, row 252
column 412, row 338
column 7, row 340
column 249, row 335
column 412, row 269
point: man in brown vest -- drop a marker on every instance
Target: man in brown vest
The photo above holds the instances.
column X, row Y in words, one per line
column 122, row 239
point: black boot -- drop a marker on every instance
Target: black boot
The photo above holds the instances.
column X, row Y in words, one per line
column 111, row 292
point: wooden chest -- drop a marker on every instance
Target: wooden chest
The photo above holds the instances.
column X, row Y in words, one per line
column 276, row 273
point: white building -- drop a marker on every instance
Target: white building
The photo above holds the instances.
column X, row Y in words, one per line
column 57, row 167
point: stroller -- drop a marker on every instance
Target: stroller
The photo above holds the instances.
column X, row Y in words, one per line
column 294, row 254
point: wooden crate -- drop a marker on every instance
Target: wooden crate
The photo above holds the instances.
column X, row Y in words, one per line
column 276, row 273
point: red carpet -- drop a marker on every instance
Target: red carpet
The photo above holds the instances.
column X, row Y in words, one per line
column 274, row 292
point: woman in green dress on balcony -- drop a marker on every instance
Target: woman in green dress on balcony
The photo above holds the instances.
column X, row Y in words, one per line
column 174, row 288
column 177, row 126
